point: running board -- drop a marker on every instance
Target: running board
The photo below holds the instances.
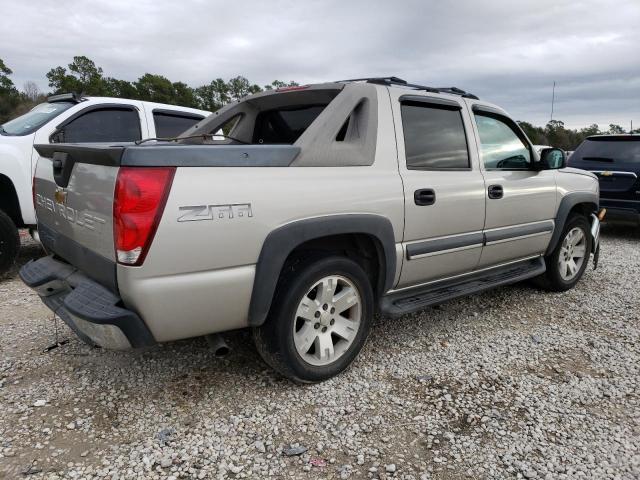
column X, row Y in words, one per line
column 408, row 301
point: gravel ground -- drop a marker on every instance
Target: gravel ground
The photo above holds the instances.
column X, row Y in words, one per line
column 514, row 383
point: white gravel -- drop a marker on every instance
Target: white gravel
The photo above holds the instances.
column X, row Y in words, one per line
column 514, row 383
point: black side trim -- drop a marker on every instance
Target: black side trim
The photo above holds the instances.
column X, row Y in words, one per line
column 521, row 231
column 435, row 101
column 443, row 244
column 282, row 241
column 175, row 155
column 418, row 298
column 566, row 204
column 99, row 268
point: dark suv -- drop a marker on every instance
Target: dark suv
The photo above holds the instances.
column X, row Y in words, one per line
column 616, row 161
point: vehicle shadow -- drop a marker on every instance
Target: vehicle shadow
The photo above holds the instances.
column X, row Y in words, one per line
column 29, row 250
column 620, row 231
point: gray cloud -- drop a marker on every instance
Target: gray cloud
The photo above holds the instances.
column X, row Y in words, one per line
column 506, row 52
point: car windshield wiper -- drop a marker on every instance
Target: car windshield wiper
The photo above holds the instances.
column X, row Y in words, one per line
column 598, row 159
column 203, row 136
column 3, row 131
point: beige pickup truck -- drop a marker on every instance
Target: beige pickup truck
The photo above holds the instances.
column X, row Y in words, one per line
column 299, row 213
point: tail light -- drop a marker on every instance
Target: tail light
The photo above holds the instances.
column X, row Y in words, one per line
column 140, row 196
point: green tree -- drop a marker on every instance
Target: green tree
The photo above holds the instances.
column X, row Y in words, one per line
column 83, row 76
column 280, row 84
column 592, row 129
column 9, row 96
column 120, row 88
column 239, row 87
column 184, row 95
column 6, row 84
column 155, row 88
column 615, row 129
column 558, row 135
column 214, row 95
column 535, row 134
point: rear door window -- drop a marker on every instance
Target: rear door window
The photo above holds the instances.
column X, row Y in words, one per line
column 434, row 137
column 170, row 125
column 103, row 125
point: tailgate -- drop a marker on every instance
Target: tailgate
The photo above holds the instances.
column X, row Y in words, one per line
column 74, row 188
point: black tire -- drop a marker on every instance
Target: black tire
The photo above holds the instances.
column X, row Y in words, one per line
column 275, row 338
column 552, row 279
column 9, row 242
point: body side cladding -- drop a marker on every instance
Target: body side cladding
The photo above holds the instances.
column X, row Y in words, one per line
column 282, row 241
column 444, row 244
column 566, row 204
column 500, row 234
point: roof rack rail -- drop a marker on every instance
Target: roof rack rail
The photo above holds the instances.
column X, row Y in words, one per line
column 66, row 97
column 396, row 81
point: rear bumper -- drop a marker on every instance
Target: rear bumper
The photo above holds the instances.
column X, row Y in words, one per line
column 91, row 311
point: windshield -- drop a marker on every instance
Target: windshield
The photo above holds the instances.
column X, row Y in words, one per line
column 34, row 119
column 608, row 150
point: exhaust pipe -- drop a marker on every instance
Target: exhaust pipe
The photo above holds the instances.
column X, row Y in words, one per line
column 35, row 235
column 218, row 345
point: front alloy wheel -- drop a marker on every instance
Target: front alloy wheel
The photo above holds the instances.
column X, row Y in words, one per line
column 573, row 252
column 568, row 260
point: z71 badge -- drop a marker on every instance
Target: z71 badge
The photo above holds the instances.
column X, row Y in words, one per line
column 194, row 213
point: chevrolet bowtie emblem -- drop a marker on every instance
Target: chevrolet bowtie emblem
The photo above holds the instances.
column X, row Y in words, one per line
column 60, row 196
column 606, row 174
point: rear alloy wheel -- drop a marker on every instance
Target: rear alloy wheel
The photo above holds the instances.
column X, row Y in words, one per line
column 327, row 320
column 9, row 242
column 319, row 320
column 568, row 261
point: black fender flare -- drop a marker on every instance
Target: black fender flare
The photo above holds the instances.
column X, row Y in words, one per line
column 283, row 240
column 566, row 204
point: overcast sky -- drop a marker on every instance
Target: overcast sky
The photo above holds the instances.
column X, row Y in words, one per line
column 507, row 52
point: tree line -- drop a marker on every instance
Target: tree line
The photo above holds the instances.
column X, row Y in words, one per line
column 82, row 75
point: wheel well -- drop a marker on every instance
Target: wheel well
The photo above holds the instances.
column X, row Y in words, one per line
column 586, row 209
column 364, row 249
column 9, row 201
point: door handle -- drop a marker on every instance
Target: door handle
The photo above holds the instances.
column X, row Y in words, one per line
column 424, row 196
column 495, row 191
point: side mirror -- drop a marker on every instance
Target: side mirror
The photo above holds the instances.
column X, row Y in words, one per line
column 553, row 158
column 57, row 136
